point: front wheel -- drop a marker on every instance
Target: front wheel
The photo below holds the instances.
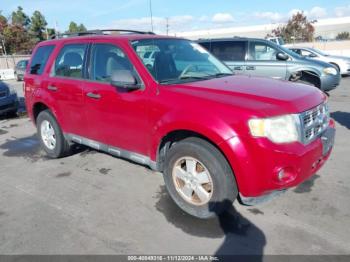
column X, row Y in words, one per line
column 51, row 136
column 198, row 178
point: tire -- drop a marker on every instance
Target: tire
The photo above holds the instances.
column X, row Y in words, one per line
column 223, row 190
column 61, row 146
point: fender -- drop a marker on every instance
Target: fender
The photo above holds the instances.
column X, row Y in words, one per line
column 44, row 97
column 208, row 125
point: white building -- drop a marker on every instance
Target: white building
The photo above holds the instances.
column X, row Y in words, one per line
column 327, row 28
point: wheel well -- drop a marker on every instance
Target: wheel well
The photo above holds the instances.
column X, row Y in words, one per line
column 174, row 137
column 307, row 76
column 38, row 107
column 336, row 65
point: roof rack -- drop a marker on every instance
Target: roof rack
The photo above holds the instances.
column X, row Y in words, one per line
column 101, row 32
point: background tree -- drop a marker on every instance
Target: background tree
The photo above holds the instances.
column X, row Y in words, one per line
column 17, row 40
column 20, row 18
column 343, row 36
column 3, row 22
column 298, row 28
column 38, row 26
column 75, row 28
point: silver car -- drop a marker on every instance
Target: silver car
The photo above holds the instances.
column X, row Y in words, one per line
column 342, row 63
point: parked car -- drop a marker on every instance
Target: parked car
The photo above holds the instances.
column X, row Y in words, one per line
column 20, row 69
column 215, row 136
column 342, row 63
column 8, row 100
column 259, row 57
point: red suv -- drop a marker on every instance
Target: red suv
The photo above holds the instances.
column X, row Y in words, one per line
column 215, row 136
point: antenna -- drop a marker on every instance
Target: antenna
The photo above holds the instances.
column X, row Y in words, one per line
column 150, row 9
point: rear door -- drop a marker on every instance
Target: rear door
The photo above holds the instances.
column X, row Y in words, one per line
column 232, row 53
column 65, row 85
column 262, row 61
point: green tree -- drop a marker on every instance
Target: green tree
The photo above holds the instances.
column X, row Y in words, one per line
column 20, row 18
column 298, row 28
column 17, row 40
column 343, row 36
column 38, row 26
column 75, row 28
column 3, row 22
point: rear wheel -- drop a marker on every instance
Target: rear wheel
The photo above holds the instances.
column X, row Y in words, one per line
column 198, row 178
column 51, row 136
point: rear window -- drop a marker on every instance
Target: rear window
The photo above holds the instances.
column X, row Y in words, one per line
column 40, row 58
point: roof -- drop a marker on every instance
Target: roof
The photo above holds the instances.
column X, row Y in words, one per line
column 235, row 38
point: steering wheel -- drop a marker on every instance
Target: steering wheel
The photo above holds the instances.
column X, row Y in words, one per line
column 187, row 68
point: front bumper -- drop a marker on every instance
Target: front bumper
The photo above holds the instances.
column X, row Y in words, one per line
column 257, row 163
column 9, row 104
column 329, row 82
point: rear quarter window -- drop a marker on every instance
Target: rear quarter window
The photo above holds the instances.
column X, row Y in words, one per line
column 229, row 50
column 40, row 59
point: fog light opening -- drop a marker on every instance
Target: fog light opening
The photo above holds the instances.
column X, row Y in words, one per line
column 281, row 175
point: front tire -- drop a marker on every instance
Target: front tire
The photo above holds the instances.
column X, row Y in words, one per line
column 51, row 137
column 199, row 178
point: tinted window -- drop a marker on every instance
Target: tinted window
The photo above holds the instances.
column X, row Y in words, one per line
column 260, row 51
column 107, row 59
column 69, row 62
column 178, row 60
column 40, row 58
column 229, row 51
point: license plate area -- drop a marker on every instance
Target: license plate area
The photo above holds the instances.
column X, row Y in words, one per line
column 327, row 139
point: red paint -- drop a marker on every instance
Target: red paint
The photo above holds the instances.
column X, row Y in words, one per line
column 217, row 109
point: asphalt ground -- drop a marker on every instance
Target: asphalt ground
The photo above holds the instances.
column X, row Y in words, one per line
column 93, row 203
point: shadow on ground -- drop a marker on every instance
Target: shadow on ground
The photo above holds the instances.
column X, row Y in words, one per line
column 240, row 236
column 343, row 118
column 306, row 186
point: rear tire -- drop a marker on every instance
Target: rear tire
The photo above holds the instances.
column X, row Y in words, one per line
column 51, row 137
column 220, row 186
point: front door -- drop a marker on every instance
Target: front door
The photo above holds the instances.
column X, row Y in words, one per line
column 115, row 116
column 262, row 61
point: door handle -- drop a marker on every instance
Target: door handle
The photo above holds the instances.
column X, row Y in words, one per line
column 250, row 68
column 52, row 88
column 93, row 95
column 239, row 68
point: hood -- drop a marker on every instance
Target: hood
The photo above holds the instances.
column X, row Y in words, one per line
column 344, row 58
column 316, row 62
column 257, row 94
column 3, row 86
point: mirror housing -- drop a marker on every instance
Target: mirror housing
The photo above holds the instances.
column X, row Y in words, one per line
column 124, row 79
column 282, row 56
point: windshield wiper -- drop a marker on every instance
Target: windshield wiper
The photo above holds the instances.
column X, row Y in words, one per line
column 223, row 74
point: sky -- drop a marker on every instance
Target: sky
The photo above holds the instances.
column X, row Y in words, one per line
column 182, row 15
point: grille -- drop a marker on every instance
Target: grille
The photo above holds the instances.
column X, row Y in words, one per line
column 314, row 122
column 3, row 94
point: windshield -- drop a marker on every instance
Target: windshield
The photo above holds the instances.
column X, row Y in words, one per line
column 178, row 61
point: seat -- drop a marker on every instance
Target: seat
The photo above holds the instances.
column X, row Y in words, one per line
column 71, row 66
column 164, row 67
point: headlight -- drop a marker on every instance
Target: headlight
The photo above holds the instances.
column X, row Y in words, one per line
column 282, row 129
column 330, row 71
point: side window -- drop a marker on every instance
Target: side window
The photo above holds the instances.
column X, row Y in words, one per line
column 298, row 51
column 40, row 58
column 69, row 62
column 106, row 59
column 259, row 51
column 229, row 50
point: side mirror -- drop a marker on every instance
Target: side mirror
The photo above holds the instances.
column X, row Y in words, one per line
column 124, row 79
column 282, row 56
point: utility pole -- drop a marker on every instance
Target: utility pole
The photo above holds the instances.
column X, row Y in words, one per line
column 167, row 26
column 151, row 12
